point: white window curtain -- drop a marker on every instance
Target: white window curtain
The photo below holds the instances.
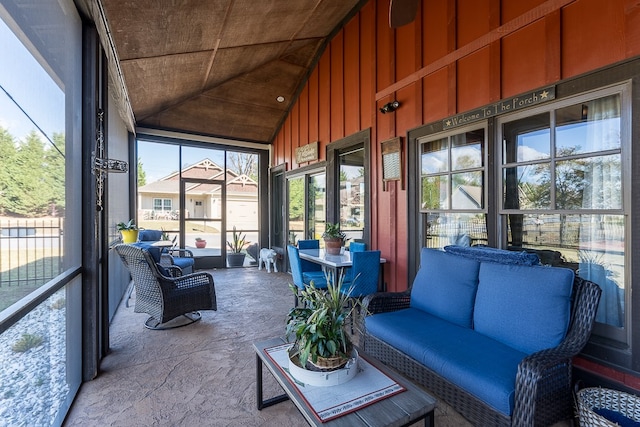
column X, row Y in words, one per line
column 602, row 236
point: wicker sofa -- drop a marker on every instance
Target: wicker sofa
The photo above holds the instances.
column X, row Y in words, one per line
column 488, row 331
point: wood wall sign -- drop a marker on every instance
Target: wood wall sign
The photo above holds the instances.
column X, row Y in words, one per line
column 505, row 106
column 307, row 153
column 392, row 161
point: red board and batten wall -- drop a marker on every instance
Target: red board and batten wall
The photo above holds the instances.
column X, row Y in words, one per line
column 456, row 56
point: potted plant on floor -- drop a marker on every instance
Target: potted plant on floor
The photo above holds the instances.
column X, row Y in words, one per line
column 235, row 258
column 200, row 243
column 333, row 238
column 128, row 231
column 322, row 342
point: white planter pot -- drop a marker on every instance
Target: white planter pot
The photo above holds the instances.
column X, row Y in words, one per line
column 323, row 379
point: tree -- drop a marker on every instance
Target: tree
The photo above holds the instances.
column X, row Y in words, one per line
column 54, row 173
column 243, row 164
column 28, row 194
column 142, row 176
column 7, row 171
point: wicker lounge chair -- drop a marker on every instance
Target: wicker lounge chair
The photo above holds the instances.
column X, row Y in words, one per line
column 162, row 296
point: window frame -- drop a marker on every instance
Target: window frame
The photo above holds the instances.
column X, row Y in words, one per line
column 605, row 335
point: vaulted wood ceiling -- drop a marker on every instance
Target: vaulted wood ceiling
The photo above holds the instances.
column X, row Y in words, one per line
column 217, row 67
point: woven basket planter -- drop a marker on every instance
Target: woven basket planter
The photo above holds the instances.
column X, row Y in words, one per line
column 593, row 398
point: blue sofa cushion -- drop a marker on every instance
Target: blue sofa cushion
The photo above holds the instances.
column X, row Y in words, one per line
column 445, row 286
column 149, row 235
column 476, row 363
column 489, row 254
column 527, row 308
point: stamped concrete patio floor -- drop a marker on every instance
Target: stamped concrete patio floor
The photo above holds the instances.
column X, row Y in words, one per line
column 202, row 374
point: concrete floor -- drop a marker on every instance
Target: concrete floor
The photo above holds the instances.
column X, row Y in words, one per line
column 204, row 373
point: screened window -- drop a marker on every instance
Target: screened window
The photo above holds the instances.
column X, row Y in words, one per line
column 563, row 193
column 40, row 178
column 452, row 191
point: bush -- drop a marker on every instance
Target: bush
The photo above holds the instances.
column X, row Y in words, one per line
column 27, row 342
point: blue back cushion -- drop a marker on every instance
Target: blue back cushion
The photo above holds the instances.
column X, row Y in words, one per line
column 526, row 308
column 149, row 235
column 154, row 251
column 489, row 254
column 445, row 286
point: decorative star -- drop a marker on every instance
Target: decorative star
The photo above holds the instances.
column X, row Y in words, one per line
column 448, row 122
column 544, row 94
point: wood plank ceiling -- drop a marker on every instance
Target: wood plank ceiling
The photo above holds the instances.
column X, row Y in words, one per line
column 217, row 67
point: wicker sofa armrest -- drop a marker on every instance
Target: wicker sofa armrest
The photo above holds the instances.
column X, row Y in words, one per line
column 383, row 302
column 544, row 380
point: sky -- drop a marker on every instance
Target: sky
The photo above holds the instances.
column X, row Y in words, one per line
column 31, row 87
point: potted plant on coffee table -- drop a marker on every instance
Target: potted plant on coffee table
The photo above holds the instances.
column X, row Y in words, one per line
column 200, row 243
column 235, row 258
column 128, row 231
column 322, row 342
column 333, row 238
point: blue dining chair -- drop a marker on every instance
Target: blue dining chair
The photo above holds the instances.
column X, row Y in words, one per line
column 353, row 247
column 308, row 265
column 300, row 278
column 357, row 246
column 365, row 272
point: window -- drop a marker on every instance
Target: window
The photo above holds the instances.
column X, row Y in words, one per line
column 306, row 205
column 163, row 204
column 348, row 169
column 562, row 193
column 40, row 180
column 452, row 189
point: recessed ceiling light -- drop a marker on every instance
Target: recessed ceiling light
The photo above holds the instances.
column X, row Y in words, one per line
column 280, row 99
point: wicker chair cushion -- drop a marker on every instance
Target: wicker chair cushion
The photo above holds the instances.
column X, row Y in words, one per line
column 476, row 363
column 183, row 262
column 445, row 286
column 489, row 254
column 527, row 308
column 149, row 235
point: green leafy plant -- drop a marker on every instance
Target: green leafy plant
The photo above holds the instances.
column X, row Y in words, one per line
column 27, row 342
column 238, row 241
column 332, row 231
column 199, row 239
column 165, row 235
column 319, row 324
column 131, row 225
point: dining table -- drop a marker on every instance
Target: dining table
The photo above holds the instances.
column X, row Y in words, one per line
column 337, row 263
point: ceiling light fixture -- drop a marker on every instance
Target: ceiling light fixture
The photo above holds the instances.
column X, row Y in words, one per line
column 389, row 107
column 280, row 99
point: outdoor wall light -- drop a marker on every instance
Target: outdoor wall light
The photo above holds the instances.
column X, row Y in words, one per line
column 389, row 107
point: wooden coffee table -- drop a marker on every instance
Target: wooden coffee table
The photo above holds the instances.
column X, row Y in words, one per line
column 402, row 409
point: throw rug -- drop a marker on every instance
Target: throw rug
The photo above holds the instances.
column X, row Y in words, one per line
column 369, row 386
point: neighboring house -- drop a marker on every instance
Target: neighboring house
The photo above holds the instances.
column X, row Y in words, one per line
column 161, row 199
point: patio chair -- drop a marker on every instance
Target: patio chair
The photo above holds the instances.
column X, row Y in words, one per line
column 357, row 247
column 365, row 272
column 364, row 276
column 300, row 278
column 308, row 265
column 353, row 247
column 176, row 257
column 162, row 296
